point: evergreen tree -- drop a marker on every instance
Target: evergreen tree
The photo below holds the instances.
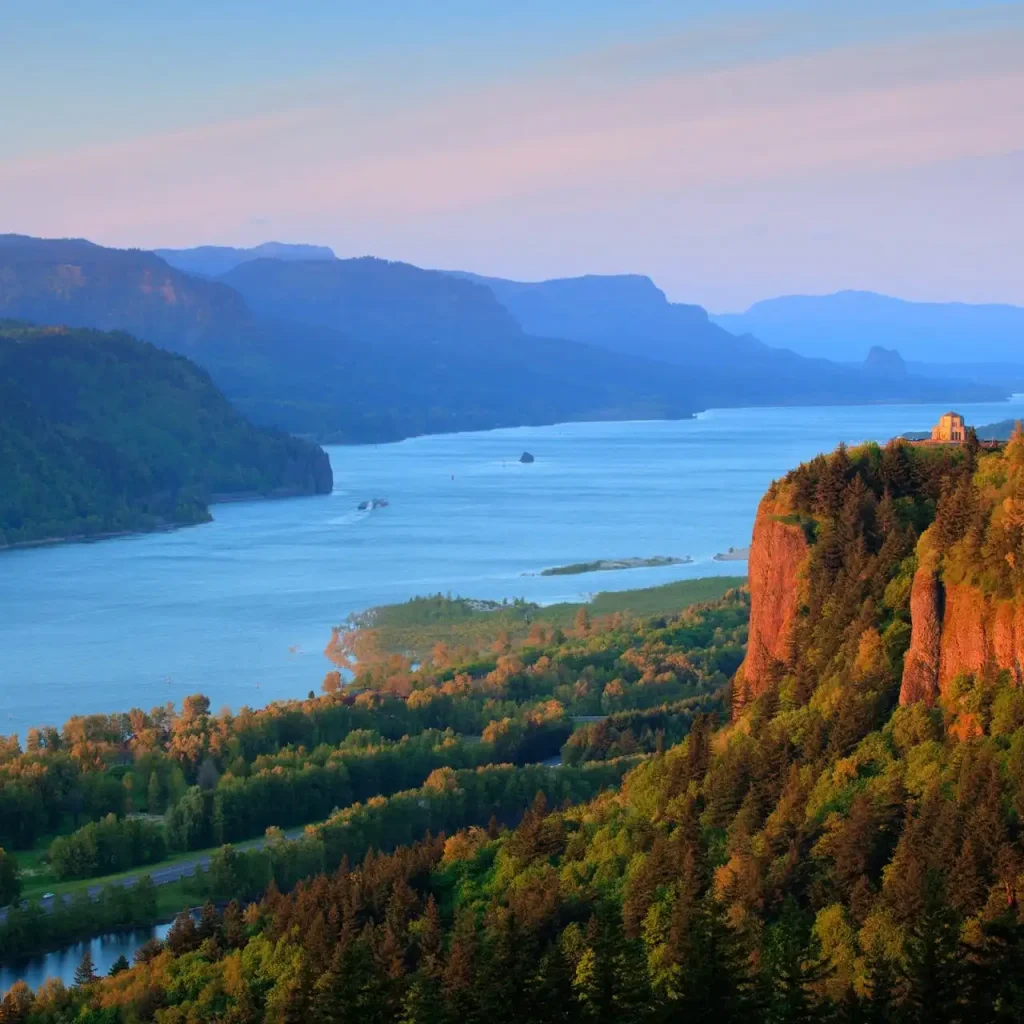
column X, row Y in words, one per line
column 85, row 972
column 791, row 974
column 119, row 965
column 714, row 984
column 880, row 1004
column 934, row 972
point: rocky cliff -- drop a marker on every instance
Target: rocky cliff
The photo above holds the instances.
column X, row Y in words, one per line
column 778, row 552
column 914, row 554
column 957, row 630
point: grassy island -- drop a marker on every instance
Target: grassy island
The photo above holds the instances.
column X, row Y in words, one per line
column 611, row 564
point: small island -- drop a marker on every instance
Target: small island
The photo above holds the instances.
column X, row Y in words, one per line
column 733, row 555
column 608, row 564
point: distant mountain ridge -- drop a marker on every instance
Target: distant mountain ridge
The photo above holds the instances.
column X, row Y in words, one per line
column 631, row 315
column 627, row 313
column 1001, row 431
column 213, row 260
column 433, row 354
column 367, row 350
column 845, row 325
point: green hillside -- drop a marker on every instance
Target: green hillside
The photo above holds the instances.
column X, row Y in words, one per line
column 101, row 433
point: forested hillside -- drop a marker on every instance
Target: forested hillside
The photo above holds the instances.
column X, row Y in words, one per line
column 442, row 746
column 831, row 853
column 102, row 433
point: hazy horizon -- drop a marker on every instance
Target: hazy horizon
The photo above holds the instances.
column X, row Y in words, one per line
column 730, row 156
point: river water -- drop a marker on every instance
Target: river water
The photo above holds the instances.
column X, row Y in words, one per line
column 240, row 609
column 105, row 950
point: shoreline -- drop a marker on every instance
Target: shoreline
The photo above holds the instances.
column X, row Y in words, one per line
column 613, row 565
column 327, row 441
column 220, row 499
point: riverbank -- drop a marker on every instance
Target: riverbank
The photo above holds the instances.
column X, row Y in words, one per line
column 413, row 628
column 95, row 538
column 162, row 526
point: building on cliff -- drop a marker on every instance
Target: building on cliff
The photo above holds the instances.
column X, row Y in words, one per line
column 950, row 429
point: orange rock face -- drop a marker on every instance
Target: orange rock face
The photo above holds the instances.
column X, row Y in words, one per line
column 777, row 555
column 957, row 630
column 921, row 664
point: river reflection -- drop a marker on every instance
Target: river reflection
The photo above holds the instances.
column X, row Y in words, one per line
column 34, row 970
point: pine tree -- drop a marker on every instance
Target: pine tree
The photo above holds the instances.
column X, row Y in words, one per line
column 119, row 965
column 713, row 983
column 966, row 884
column 498, row 984
column 934, row 971
column 459, row 974
column 994, row 972
column 791, row 974
column 880, row 1003
column 298, row 998
column 548, row 996
column 85, row 972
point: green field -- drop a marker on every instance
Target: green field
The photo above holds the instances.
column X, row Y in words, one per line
column 414, row 627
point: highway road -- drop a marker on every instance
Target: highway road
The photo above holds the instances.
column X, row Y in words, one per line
column 187, row 868
column 159, row 876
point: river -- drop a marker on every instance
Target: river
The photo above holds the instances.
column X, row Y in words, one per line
column 241, row 608
column 34, row 970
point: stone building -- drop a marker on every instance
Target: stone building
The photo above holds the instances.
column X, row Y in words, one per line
column 950, row 429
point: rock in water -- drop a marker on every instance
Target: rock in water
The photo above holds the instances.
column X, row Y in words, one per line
column 526, row 457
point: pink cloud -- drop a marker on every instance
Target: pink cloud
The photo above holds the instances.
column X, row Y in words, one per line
column 517, row 146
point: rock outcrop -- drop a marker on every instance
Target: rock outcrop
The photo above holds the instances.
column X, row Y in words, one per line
column 868, row 622
column 778, row 552
column 957, row 630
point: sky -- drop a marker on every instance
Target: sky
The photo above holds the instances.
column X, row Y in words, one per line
column 732, row 151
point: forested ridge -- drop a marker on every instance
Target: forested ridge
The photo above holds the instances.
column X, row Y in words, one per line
column 824, row 853
column 100, row 433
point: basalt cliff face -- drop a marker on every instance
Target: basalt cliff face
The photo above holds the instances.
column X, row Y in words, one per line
column 778, row 552
column 958, row 630
column 884, row 570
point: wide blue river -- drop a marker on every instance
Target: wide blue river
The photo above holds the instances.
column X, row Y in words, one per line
column 241, row 609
